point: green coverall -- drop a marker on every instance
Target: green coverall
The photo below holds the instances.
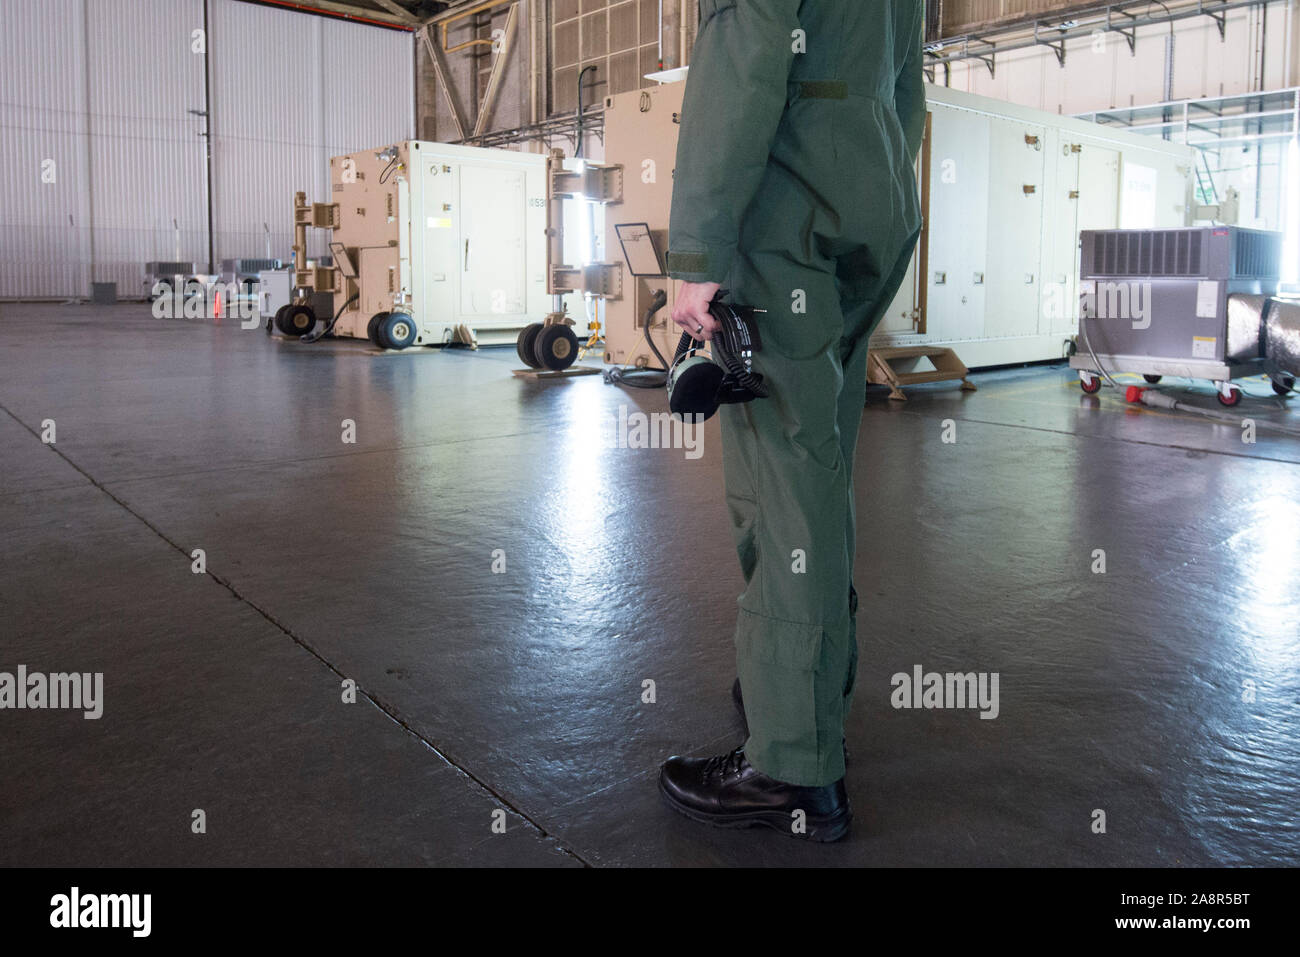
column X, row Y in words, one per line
column 795, row 188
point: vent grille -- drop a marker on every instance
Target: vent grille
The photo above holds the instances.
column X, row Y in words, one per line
column 168, row 268
column 253, row 265
column 1257, row 255
column 1149, row 253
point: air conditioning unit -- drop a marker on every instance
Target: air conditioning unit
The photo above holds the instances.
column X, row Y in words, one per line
column 1190, row 302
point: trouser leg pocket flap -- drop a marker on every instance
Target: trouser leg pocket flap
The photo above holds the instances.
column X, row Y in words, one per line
column 774, row 641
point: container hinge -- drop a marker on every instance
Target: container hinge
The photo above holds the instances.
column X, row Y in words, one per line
column 603, row 280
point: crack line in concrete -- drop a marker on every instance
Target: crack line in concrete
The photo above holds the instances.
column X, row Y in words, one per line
column 1108, row 438
column 388, row 710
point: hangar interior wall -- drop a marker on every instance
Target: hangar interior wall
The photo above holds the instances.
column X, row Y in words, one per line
column 105, row 162
column 1257, row 52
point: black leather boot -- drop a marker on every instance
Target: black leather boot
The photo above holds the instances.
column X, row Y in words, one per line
column 727, row 791
column 737, row 697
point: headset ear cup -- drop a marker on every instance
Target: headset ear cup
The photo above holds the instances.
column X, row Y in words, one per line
column 693, row 388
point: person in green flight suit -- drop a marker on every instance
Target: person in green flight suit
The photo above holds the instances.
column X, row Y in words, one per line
column 795, row 188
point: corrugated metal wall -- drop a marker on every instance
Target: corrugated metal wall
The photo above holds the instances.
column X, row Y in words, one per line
column 105, row 163
column 143, row 153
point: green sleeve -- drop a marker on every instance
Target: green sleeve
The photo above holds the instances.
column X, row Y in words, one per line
column 735, row 97
column 909, row 92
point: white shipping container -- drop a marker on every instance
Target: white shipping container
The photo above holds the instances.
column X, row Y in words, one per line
column 452, row 235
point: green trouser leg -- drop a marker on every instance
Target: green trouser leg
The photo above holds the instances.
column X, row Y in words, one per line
column 789, row 491
column 863, row 303
column 788, row 466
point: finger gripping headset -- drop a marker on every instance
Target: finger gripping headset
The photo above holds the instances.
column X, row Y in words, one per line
column 698, row 384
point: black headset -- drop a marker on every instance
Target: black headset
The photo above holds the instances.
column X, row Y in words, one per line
column 697, row 384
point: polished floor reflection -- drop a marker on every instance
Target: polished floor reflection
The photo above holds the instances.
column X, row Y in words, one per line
column 507, row 586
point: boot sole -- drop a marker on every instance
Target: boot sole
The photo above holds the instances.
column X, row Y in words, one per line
column 821, row 831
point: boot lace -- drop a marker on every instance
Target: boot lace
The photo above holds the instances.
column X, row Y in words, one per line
column 725, row 765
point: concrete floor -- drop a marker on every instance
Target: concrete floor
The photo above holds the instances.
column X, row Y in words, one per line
column 521, row 691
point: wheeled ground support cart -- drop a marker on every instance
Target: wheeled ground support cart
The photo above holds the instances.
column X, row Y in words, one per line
column 1192, row 302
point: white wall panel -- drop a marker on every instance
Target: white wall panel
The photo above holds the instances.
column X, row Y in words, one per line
column 1253, row 55
column 44, row 224
column 103, row 89
column 1105, row 76
column 296, row 91
column 146, row 169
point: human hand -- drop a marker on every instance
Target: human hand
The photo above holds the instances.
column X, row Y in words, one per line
column 691, row 310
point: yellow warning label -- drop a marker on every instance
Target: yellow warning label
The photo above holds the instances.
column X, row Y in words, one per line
column 439, row 223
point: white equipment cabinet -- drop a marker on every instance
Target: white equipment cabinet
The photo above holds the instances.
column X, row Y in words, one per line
column 453, row 236
column 273, row 290
column 1009, row 189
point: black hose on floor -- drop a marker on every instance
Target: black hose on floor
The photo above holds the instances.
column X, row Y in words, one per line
column 329, row 326
column 645, row 378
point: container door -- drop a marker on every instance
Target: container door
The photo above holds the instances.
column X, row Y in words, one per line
column 492, row 255
column 1098, row 188
column 1060, row 291
column 1015, row 228
column 959, row 213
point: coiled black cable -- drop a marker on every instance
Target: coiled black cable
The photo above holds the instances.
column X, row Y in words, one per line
column 730, row 342
column 328, row 327
column 645, row 378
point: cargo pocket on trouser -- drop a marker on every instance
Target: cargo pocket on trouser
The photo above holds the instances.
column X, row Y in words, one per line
column 794, row 698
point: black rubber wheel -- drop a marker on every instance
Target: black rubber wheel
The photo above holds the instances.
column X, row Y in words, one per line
column 526, row 345
column 1091, row 387
column 1283, row 384
column 1153, row 379
column 398, row 330
column 282, row 319
column 298, row 321
column 556, row 348
column 1233, row 397
column 372, row 329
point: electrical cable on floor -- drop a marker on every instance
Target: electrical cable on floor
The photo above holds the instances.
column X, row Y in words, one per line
column 1168, row 402
column 1097, row 361
column 1159, row 400
column 644, row 378
column 328, row 328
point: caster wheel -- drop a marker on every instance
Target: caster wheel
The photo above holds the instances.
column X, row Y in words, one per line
column 556, row 348
column 1232, row 398
column 1153, row 379
column 1091, row 386
column 397, row 330
column 1283, row 384
column 372, row 329
column 526, row 345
